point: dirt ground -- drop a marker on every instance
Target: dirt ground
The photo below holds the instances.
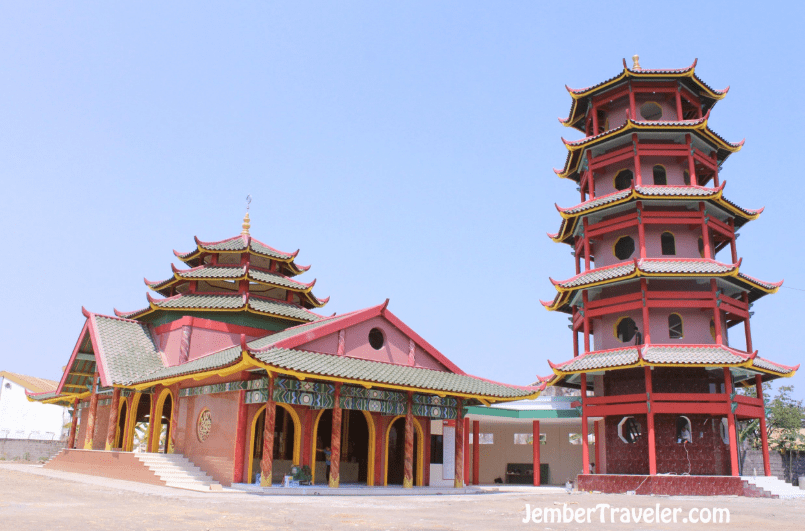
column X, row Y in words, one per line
column 39, row 502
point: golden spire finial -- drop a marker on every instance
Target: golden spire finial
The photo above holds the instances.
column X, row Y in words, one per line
column 246, row 223
column 636, row 65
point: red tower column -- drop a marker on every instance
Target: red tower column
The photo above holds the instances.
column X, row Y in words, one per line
column 747, row 328
column 458, row 477
column 731, row 421
column 111, row 427
column 93, row 411
column 73, row 427
column 476, row 451
column 585, row 448
column 466, row 450
column 646, row 320
column 652, row 441
column 535, row 431
column 764, row 439
column 267, row 462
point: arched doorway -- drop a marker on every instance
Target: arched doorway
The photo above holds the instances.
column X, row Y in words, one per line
column 122, row 420
column 395, row 452
column 138, row 427
column 163, row 418
column 287, row 442
column 357, row 447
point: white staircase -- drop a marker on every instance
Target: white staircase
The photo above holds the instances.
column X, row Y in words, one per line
column 178, row 471
column 777, row 488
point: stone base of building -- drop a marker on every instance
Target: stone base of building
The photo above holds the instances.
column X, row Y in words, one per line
column 667, row 485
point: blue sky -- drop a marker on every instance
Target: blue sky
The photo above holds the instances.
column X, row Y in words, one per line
column 405, row 148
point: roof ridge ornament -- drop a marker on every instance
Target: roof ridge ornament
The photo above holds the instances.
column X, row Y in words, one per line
column 246, row 223
column 636, row 65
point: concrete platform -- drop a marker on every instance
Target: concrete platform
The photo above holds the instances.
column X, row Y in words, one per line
column 355, row 490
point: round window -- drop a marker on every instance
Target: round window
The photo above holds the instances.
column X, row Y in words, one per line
column 625, row 329
column 376, row 338
column 623, row 179
column 624, row 247
column 650, row 111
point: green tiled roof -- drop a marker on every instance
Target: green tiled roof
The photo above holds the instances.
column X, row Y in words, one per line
column 261, row 248
column 217, row 302
column 129, row 348
column 213, row 272
column 276, row 279
column 386, row 373
column 281, row 308
column 216, row 360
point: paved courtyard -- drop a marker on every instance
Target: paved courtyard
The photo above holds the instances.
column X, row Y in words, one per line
column 36, row 499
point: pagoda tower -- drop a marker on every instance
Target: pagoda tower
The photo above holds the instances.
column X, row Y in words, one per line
column 658, row 287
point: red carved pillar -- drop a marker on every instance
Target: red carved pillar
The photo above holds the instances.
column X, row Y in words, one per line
column 716, row 312
column 708, row 252
column 151, row 446
column 408, row 461
column 585, row 446
column 240, row 438
column 691, row 165
column 466, row 432
column 267, row 462
column 111, row 430
column 632, row 108
column 764, row 439
column 73, row 427
column 458, row 481
column 733, row 248
column 731, row 422
column 652, row 440
column 173, row 421
column 476, row 452
column 586, row 246
column 335, row 440
column 638, row 173
column 93, row 411
column 747, row 329
column 535, row 432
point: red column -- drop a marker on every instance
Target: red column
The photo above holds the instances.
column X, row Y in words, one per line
column 646, row 321
column 111, row 427
column 93, row 411
column 476, row 451
column 586, row 246
column 733, row 248
column 73, row 427
column 535, row 432
column 708, row 251
column 149, row 446
column 652, row 441
column 714, row 158
column 691, row 165
column 716, row 313
column 591, row 186
column 575, row 333
column 641, row 230
column 458, row 481
column 586, row 318
column 240, row 438
column 307, row 442
column 408, row 460
column 764, row 439
column 731, row 420
column 678, row 105
column 466, row 432
column 595, row 120
column 747, row 329
column 585, row 447
column 637, row 172
column 335, row 441
column 267, row 462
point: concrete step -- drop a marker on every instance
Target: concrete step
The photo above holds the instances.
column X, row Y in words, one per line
column 775, row 487
column 179, row 472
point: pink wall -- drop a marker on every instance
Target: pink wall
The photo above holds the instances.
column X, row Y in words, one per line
column 202, row 342
column 394, row 350
column 666, row 101
column 617, row 112
column 686, row 241
column 604, row 247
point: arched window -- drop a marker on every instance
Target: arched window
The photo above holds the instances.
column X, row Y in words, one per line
column 651, row 111
column 624, row 247
column 675, row 326
column 684, row 430
column 623, row 179
column 659, row 175
column 686, row 177
column 629, row 430
column 625, row 329
column 668, row 243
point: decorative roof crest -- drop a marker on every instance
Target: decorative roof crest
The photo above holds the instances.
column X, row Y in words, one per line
column 246, row 223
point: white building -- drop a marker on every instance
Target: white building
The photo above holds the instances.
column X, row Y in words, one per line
column 22, row 419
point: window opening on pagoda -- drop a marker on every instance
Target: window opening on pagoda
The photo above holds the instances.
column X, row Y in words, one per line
column 603, row 122
column 713, row 329
column 684, row 430
column 675, row 326
column 701, row 247
column 660, row 177
column 651, row 111
column 668, row 244
column 623, row 179
column 629, row 430
column 724, row 431
column 376, row 338
column 624, row 247
column 625, row 329
column 686, row 177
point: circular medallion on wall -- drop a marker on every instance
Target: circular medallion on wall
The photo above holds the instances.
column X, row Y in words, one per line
column 204, row 424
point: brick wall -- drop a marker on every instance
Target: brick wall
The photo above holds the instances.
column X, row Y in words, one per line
column 780, row 464
column 17, row 448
